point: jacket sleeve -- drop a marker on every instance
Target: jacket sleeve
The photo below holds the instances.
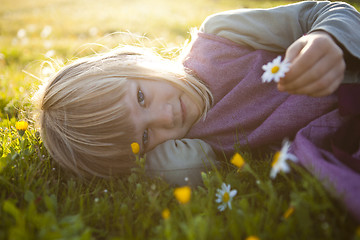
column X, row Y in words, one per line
column 180, row 162
column 275, row 29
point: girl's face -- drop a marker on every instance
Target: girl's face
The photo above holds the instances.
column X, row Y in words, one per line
column 160, row 111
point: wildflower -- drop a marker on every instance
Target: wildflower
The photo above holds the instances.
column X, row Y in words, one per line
column 49, row 54
column 46, row 31
column 358, row 231
column 93, row 31
column 21, row 33
column 252, row 238
column 280, row 157
column 135, row 147
column 21, row 127
column 183, row 194
column 275, row 70
column 165, row 213
column 225, row 196
column 288, row 212
column 237, row 160
column 47, row 44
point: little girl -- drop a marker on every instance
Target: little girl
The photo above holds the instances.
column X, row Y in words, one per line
column 185, row 112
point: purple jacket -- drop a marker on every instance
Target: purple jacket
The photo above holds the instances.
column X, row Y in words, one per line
column 256, row 114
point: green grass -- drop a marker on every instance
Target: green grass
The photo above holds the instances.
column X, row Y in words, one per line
column 39, row 201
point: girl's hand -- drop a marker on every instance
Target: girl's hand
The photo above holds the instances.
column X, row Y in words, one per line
column 317, row 67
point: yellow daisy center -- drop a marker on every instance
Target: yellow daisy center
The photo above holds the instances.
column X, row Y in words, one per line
column 226, row 197
column 276, row 158
column 275, row 69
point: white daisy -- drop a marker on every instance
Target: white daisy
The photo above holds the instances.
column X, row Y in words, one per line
column 279, row 161
column 225, row 196
column 275, row 70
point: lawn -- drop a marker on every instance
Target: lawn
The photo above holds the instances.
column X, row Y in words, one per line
column 39, row 201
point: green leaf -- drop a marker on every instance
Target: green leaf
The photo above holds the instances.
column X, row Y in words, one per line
column 51, row 203
column 10, row 208
column 29, row 196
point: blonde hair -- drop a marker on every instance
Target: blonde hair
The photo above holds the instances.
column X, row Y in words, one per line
column 84, row 124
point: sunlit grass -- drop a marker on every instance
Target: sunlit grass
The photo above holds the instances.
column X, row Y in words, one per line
column 39, row 201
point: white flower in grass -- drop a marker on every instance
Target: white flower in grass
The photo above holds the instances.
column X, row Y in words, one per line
column 47, row 30
column 225, row 196
column 279, row 161
column 275, row 70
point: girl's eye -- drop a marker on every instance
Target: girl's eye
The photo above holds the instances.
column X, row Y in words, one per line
column 141, row 97
column 145, row 138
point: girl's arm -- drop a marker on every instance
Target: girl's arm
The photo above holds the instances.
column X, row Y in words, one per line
column 180, row 162
column 318, row 37
column 275, row 29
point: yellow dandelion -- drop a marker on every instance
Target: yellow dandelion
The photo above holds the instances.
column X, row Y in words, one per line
column 358, row 231
column 237, row 160
column 165, row 213
column 183, row 194
column 252, row 238
column 135, row 147
column 21, row 126
column 288, row 212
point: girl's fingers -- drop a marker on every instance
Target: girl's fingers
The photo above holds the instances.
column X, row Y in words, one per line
column 315, row 73
column 309, row 55
column 325, row 85
column 318, row 68
column 293, row 51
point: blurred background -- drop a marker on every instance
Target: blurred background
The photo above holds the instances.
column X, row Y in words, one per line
column 32, row 32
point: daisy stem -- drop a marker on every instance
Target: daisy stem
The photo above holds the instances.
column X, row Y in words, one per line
column 189, row 217
column 250, row 170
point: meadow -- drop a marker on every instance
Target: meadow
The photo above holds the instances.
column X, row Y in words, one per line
column 38, row 200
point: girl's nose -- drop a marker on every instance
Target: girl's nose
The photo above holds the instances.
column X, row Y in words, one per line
column 162, row 116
